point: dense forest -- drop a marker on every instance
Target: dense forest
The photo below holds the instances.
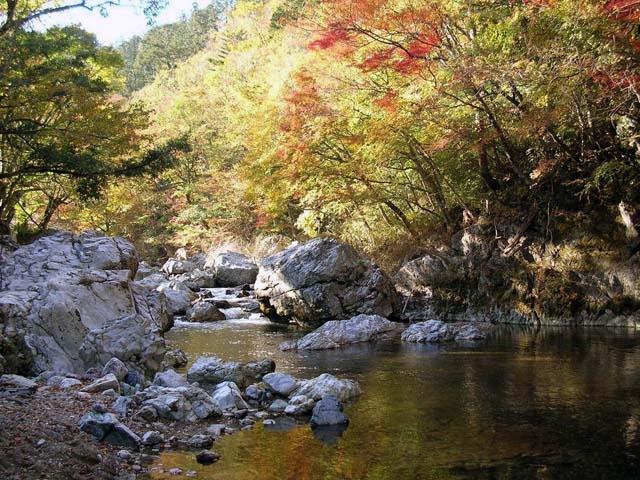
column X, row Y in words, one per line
column 388, row 124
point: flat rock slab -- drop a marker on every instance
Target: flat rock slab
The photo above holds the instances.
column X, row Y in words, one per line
column 338, row 333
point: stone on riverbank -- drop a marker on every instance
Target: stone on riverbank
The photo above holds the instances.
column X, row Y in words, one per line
column 107, row 428
column 212, row 371
column 280, row 384
column 186, row 404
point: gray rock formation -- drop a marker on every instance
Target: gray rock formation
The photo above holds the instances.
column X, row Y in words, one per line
column 131, row 338
column 337, row 333
column 210, row 371
column 107, row 428
column 280, row 384
column 228, row 396
column 205, row 312
column 437, row 331
column 233, row 269
column 322, row 280
column 170, row 378
column 327, row 384
column 186, row 404
column 60, row 288
column 328, row 411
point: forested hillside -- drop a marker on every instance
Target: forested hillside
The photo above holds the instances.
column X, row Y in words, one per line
column 391, row 125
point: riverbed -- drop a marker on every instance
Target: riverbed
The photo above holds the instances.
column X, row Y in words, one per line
column 548, row 403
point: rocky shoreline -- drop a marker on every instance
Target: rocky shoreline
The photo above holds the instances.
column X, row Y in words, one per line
column 85, row 320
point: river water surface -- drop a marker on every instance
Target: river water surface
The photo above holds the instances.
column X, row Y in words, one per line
column 524, row 404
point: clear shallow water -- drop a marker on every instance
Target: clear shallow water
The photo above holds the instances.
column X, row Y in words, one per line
column 525, row 404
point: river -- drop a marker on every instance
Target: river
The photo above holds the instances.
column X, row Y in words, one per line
column 524, row 404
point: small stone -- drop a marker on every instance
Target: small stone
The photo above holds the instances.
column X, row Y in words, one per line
column 269, row 421
column 200, row 441
column 175, row 471
column 41, row 442
column 247, row 421
column 147, row 413
column 191, row 473
column 328, row 411
column 152, row 438
column 280, row 383
column 111, row 393
column 207, row 457
column 124, row 455
column 99, row 408
column 278, row 406
column 69, row 383
column 105, row 383
column 240, row 413
column 247, row 428
column 136, row 468
column 170, row 378
column 82, row 396
column 117, row 367
column 216, row 429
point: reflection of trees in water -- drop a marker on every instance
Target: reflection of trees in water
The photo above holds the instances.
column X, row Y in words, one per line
column 526, row 402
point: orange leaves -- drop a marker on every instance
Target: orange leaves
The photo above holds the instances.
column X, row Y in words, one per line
column 330, row 39
column 389, row 101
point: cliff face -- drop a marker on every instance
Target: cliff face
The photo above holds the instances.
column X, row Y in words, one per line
column 582, row 278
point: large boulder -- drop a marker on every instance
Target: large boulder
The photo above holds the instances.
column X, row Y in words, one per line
column 210, row 371
column 322, row 280
column 233, row 269
column 337, row 333
column 59, row 288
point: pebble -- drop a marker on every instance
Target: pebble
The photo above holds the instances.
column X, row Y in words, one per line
column 99, row 408
column 191, row 473
column 175, row 471
column 41, row 442
column 124, row 455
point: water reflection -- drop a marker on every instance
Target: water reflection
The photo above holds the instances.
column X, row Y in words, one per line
column 526, row 404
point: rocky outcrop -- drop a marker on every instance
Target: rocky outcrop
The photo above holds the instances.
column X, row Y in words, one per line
column 63, row 290
column 232, row 269
column 338, row 333
column 503, row 273
column 437, row 331
column 322, row 280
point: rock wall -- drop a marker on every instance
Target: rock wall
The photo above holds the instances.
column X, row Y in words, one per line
column 571, row 282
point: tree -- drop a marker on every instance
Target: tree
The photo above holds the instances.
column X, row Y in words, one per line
column 62, row 132
column 17, row 14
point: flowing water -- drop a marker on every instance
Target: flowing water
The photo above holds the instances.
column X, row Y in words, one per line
column 524, row 404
